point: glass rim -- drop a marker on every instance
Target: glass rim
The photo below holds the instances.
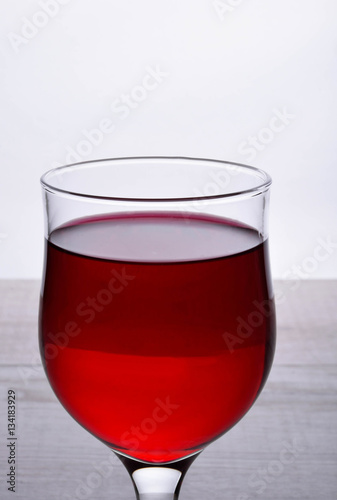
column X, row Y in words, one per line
column 266, row 179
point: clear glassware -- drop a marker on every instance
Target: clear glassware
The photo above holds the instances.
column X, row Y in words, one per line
column 157, row 320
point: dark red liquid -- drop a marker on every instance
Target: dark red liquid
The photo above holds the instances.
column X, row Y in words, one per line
column 157, row 331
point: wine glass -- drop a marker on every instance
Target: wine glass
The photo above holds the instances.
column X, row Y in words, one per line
column 157, row 321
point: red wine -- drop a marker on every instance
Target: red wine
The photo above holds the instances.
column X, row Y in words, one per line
column 157, row 330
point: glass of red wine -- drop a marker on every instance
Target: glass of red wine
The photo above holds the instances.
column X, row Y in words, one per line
column 157, row 320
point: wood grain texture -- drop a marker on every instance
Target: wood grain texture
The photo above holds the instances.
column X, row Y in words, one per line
column 59, row 460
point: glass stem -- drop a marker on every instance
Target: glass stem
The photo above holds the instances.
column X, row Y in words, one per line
column 157, row 482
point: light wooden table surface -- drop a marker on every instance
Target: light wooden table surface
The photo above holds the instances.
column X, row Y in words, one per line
column 297, row 410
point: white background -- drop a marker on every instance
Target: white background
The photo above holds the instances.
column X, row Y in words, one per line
column 231, row 65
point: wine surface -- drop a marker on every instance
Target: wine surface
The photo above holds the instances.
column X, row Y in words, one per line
column 157, row 331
